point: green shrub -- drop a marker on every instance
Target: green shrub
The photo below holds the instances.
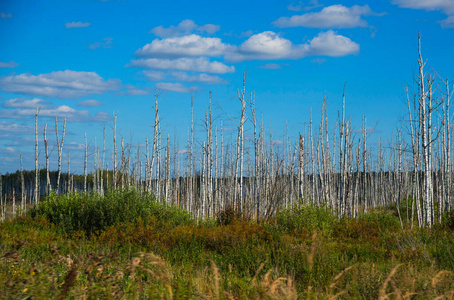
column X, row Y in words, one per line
column 306, row 219
column 94, row 213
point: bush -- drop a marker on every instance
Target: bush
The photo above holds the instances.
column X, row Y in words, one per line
column 306, row 219
column 94, row 213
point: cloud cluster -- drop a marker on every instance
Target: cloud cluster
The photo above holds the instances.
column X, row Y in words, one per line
column 59, row 84
column 270, row 46
column 189, row 58
column 184, row 28
column 446, row 6
column 334, row 16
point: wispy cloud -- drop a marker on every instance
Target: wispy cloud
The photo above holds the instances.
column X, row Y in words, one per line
column 271, row 66
column 203, row 78
column 4, row 15
column 24, row 103
column 20, row 108
column 104, row 43
column 318, row 61
column 184, row 28
column 448, row 22
column 447, row 6
column 89, row 103
column 200, row 64
column 176, row 87
column 335, row 16
column 77, row 24
column 10, row 64
column 154, row 75
column 60, row 84
column 133, row 91
column 300, row 5
column 13, row 127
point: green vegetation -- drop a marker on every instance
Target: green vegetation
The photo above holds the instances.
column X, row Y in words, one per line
column 125, row 245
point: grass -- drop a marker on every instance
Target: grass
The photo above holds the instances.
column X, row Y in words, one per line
column 124, row 245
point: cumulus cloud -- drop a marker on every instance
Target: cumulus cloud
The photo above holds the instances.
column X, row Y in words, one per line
column 176, row 87
column 331, row 44
column 77, row 24
column 203, row 78
column 89, row 103
column 335, row 16
column 269, row 45
column 447, row 6
column 200, row 64
column 189, row 45
column 184, row 28
column 60, row 84
column 10, row 64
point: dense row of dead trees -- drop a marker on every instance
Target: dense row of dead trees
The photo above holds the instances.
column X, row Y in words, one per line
column 326, row 165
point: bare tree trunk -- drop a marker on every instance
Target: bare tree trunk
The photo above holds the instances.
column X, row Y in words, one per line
column 36, row 159
column 60, row 147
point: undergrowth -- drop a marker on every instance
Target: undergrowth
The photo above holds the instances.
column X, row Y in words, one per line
column 125, row 245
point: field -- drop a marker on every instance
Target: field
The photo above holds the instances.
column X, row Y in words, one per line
column 125, row 245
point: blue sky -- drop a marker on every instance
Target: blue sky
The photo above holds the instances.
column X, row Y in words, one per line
column 85, row 60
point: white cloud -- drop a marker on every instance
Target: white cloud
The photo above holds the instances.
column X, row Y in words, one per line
column 335, row 16
column 447, row 6
column 24, row 103
column 184, row 28
column 176, row 87
column 271, row 66
column 104, row 43
column 204, row 78
column 189, row 45
column 269, row 45
column 10, row 64
column 77, row 24
column 89, row 103
column 264, row 46
column 448, row 22
column 60, row 84
column 4, row 15
column 200, row 64
column 331, row 44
